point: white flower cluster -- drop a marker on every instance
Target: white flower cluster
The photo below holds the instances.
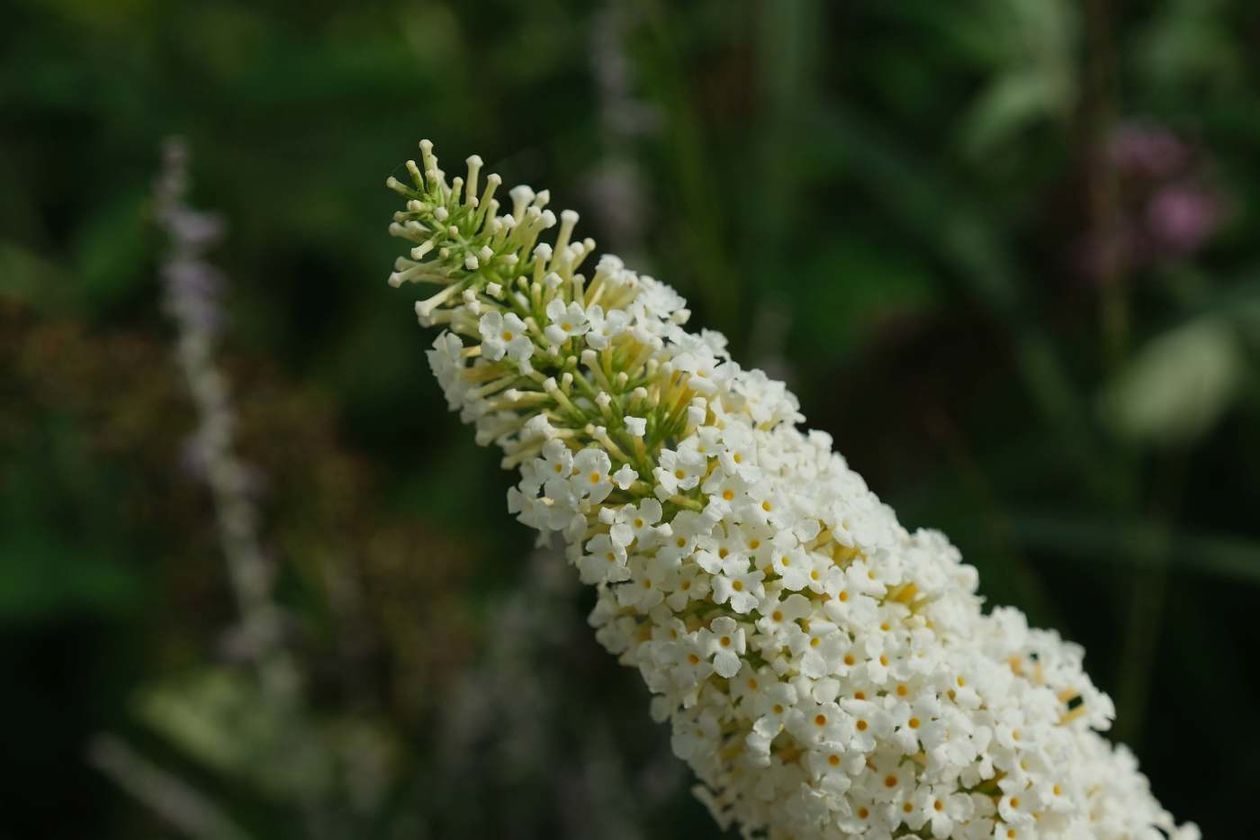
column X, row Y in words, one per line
column 826, row 673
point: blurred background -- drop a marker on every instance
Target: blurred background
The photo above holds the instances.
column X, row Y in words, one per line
column 1006, row 251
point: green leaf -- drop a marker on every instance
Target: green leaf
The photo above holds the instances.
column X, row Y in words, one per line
column 1011, row 103
column 220, row 718
column 111, row 251
column 1178, row 386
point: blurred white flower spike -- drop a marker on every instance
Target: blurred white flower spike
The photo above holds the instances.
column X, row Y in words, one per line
column 826, row 673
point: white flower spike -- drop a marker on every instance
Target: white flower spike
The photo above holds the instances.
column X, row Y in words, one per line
column 825, row 672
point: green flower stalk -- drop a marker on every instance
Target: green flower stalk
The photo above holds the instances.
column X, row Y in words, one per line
column 825, row 672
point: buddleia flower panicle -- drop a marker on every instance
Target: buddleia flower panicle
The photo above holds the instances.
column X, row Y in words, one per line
column 825, row 672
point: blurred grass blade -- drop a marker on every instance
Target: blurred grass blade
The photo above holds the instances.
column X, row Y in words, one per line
column 186, row 809
column 1009, row 105
column 1227, row 558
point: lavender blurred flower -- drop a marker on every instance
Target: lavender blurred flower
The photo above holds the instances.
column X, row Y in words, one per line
column 1168, row 209
column 194, row 290
column 1150, row 151
column 1181, row 217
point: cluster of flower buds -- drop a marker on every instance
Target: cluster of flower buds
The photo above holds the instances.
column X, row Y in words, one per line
column 825, row 672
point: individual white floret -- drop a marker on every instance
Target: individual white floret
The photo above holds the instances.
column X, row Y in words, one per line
column 504, row 335
column 566, row 321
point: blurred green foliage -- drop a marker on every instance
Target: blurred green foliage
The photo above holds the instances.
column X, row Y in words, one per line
column 1008, row 253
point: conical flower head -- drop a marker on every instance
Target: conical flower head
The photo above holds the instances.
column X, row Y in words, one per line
column 825, row 672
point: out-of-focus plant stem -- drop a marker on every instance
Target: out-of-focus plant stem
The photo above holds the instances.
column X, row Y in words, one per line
column 617, row 184
column 786, row 61
column 685, row 147
column 997, row 522
column 1146, row 601
column 1146, row 598
column 1102, row 184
